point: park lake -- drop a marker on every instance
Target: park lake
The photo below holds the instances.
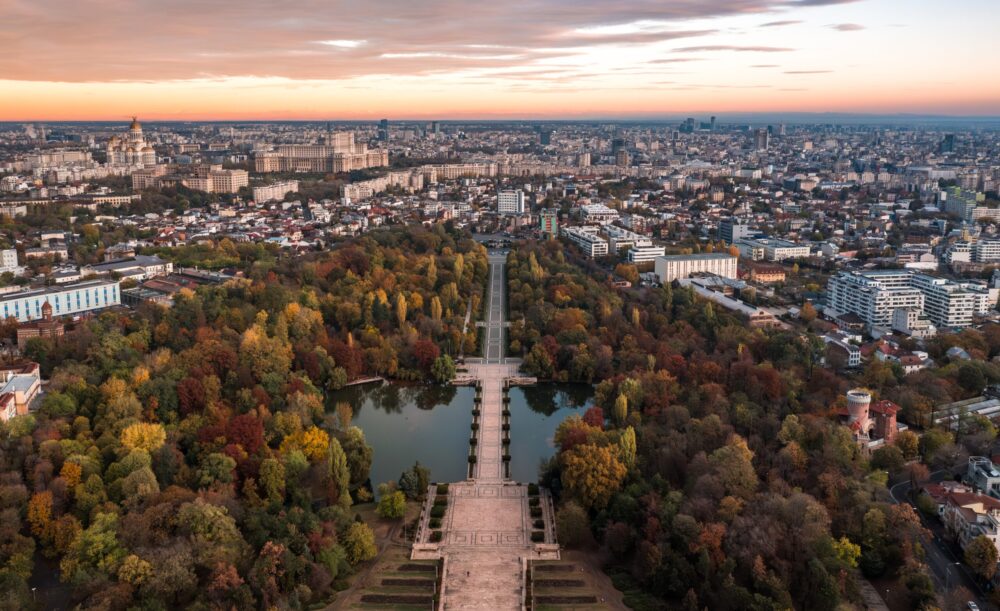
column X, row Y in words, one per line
column 404, row 423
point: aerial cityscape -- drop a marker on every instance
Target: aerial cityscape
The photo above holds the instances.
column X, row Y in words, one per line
column 541, row 306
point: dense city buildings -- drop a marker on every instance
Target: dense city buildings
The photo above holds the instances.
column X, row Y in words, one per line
column 861, row 253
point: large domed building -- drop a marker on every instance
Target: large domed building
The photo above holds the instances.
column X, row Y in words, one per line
column 131, row 150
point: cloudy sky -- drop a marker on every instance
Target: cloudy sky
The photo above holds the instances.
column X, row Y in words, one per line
column 364, row 59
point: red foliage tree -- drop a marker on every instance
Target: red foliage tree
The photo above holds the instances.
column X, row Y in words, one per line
column 246, row 430
column 594, row 417
column 425, row 351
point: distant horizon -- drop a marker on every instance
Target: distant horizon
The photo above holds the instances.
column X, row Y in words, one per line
column 723, row 118
column 541, row 59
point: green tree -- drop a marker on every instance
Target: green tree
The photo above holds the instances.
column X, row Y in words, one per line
column 620, row 411
column 359, row 541
column 272, row 480
column 392, row 506
column 627, row 447
column 572, row 525
column 341, row 473
column 443, row 369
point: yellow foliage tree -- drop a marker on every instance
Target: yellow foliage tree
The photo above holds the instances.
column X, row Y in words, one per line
column 592, row 474
column 314, row 443
column 71, row 472
column 40, row 514
column 144, row 436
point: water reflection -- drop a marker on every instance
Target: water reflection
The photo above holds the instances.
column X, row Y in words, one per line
column 536, row 411
column 406, row 423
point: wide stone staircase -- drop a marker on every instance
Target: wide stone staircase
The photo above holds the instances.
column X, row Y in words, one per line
column 483, row 580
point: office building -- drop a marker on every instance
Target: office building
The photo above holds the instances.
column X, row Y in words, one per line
column 761, row 139
column 771, row 249
column 733, row 230
column 587, row 238
column 383, row 130
column 644, row 254
column 510, row 202
column 65, row 300
column 549, row 224
column 676, row 267
column 275, row 192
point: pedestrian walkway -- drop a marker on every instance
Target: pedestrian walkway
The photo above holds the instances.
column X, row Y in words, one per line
column 486, row 532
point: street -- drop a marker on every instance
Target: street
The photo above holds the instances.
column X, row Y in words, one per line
column 946, row 567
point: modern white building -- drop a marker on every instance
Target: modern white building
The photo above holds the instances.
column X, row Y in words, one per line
column 644, row 254
column 675, row 267
column 65, row 300
column 598, row 213
column 510, row 202
column 587, row 238
column 876, row 295
column 986, row 251
column 8, row 260
column 912, row 322
column 773, row 250
column 275, row 192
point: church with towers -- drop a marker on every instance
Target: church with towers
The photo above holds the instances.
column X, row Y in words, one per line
column 132, row 150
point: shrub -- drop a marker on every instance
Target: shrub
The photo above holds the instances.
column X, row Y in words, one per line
column 437, row 511
column 472, row 459
column 536, row 512
column 505, row 426
column 475, row 426
column 537, row 536
column 435, row 523
column 506, row 457
column 440, row 500
column 534, row 501
column 442, row 489
column 476, row 412
column 473, row 441
column 435, row 536
column 539, row 524
column 532, row 489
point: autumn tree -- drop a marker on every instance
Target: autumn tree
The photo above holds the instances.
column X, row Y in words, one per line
column 592, row 474
column 359, row 541
column 981, row 556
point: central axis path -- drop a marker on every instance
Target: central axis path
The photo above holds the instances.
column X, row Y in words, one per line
column 487, row 528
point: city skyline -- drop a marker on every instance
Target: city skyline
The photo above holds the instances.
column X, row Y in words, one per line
column 531, row 59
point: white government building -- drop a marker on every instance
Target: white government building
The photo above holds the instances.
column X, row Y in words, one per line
column 676, row 267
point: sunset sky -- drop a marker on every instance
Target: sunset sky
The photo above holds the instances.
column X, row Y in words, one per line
column 331, row 59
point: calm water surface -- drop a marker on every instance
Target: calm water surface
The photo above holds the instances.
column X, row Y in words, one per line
column 535, row 412
column 405, row 423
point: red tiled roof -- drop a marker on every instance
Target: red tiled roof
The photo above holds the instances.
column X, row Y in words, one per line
column 961, row 499
column 885, row 407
